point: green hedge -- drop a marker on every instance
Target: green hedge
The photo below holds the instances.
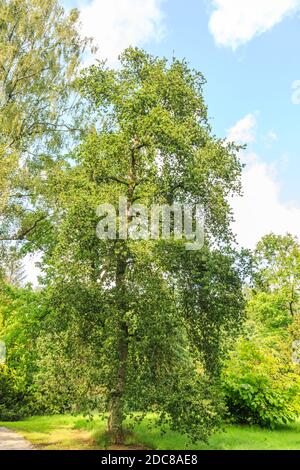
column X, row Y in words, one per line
column 260, row 388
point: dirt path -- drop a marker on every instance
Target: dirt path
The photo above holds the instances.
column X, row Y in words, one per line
column 10, row 440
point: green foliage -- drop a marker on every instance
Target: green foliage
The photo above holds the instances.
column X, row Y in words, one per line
column 278, row 269
column 11, row 264
column 261, row 382
column 40, row 50
column 260, row 387
column 55, row 366
column 12, row 394
column 19, row 326
column 20, row 316
column 268, row 309
column 66, row 378
column 155, row 314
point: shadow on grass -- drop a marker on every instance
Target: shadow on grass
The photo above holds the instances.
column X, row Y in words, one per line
column 78, row 432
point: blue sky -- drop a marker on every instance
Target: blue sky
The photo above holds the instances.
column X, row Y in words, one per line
column 249, row 53
column 256, row 77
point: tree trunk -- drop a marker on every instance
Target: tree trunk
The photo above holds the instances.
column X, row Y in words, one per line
column 116, row 409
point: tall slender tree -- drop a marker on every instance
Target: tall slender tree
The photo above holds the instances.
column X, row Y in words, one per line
column 40, row 51
column 150, row 143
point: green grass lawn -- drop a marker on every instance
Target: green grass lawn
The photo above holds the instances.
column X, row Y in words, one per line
column 69, row 432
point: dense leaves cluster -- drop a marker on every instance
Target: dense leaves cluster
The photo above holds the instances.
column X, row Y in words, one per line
column 261, row 377
column 261, row 388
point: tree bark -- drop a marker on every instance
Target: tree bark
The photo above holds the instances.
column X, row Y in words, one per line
column 116, row 408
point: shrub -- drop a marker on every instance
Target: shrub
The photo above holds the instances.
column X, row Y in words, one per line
column 12, row 397
column 260, row 388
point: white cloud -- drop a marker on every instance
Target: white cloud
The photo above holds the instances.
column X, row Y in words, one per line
column 244, row 131
column 272, row 136
column 235, row 22
column 296, row 92
column 31, row 270
column 117, row 24
column 260, row 210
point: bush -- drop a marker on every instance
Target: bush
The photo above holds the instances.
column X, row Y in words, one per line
column 259, row 387
column 67, row 375
column 12, row 398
